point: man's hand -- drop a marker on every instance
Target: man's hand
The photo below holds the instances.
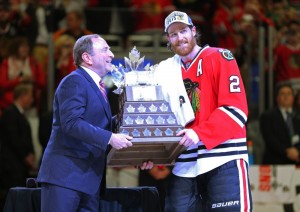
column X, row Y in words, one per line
column 190, row 137
column 29, row 161
column 160, row 172
column 293, row 154
column 120, row 141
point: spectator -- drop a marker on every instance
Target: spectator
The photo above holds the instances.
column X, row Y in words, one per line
column 40, row 49
column 20, row 67
column 74, row 26
column 24, row 17
column 150, row 14
column 281, row 12
column 64, row 63
column 226, row 23
column 280, row 129
column 8, row 29
column 287, row 57
column 16, row 152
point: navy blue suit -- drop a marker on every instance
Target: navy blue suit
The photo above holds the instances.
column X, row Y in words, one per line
column 75, row 156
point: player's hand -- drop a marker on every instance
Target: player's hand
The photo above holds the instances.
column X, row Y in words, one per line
column 189, row 137
column 120, row 141
column 147, row 165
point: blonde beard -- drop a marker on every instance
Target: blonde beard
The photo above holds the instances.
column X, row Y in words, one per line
column 184, row 52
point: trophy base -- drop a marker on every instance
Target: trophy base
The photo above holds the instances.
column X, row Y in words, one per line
column 161, row 151
column 148, row 118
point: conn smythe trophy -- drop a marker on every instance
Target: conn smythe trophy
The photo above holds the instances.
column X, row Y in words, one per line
column 144, row 115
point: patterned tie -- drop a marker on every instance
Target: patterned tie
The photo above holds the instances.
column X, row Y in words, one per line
column 103, row 91
column 289, row 123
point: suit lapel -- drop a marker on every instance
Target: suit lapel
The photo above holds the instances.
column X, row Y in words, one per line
column 97, row 90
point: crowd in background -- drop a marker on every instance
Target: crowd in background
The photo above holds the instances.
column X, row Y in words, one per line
column 230, row 24
column 27, row 26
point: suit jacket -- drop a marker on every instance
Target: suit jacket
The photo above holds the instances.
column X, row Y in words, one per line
column 276, row 136
column 75, row 156
column 16, row 144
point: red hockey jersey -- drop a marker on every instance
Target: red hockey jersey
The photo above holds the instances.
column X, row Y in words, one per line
column 216, row 92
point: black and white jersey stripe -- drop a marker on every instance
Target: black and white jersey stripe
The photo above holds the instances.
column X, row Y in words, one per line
column 236, row 114
column 229, row 148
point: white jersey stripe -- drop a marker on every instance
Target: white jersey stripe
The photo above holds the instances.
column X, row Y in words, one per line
column 228, row 146
column 228, row 149
column 236, row 140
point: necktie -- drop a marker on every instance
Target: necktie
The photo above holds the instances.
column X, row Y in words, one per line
column 102, row 89
column 289, row 123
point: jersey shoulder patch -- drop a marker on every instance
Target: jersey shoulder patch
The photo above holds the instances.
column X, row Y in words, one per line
column 226, row 54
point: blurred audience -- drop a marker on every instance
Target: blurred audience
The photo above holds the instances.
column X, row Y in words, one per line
column 40, row 50
column 115, row 16
column 150, row 14
column 75, row 25
column 8, row 29
column 17, row 68
column 226, row 23
column 63, row 56
column 16, row 153
column 280, row 129
column 281, row 12
column 287, row 56
column 23, row 15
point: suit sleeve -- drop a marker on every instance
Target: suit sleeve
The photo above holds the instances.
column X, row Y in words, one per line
column 81, row 113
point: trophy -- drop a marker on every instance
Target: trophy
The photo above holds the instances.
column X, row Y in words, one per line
column 144, row 115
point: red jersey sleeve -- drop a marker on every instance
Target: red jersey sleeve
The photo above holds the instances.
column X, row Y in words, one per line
column 224, row 109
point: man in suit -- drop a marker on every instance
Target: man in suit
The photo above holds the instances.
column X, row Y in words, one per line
column 16, row 148
column 72, row 172
column 280, row 128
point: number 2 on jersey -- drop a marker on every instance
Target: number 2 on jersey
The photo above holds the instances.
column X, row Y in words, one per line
column 234, row 84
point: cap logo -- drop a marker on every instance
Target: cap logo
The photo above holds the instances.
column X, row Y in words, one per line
column 177, row 16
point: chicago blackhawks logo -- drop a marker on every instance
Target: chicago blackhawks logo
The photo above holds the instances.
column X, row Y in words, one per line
column 193, row 93
column 226, row 54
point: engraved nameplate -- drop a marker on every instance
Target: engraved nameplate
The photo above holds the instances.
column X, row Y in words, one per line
column 143, row 93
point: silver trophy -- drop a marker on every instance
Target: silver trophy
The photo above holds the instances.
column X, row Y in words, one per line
column 144, row 115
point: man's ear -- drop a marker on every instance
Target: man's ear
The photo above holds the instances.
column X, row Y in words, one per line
column 87, row 58
column 194, row 31
column 167, row 36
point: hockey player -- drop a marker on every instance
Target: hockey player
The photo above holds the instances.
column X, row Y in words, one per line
column 212, row 174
